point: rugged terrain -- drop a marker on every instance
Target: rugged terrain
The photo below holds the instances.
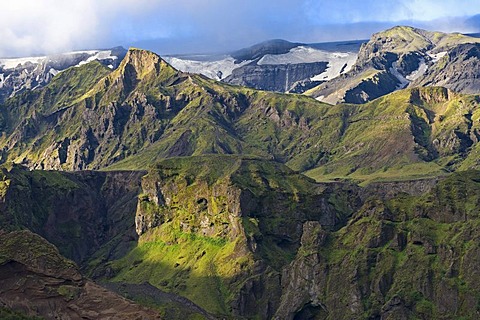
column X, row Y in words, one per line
column 91, row 117
column 404, row 57
column 262, row 240
column 20, row 74
column 200, row 199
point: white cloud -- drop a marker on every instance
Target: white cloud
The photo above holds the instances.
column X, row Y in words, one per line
column 46, row 26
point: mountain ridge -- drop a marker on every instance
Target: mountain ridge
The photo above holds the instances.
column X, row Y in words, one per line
column 145, row 110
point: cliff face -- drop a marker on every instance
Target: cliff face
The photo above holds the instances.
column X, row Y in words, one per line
column 261, row 239
column 36, row 280
column 280, row 78
column 227, row 225
column 77, row 212
column 397, row 259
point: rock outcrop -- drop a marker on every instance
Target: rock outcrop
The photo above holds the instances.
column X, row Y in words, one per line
column 36, row 280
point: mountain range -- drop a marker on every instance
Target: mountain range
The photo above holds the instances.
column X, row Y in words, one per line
column 139, row 190
column 275, row 65
column 29, row 73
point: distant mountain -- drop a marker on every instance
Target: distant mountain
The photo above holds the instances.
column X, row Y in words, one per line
column 20, row 74
column 275, row 65
column 257, row 51
column 404, row 57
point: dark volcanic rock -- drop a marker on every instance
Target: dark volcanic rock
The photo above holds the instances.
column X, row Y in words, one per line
column 458, row 70
column 280, row 78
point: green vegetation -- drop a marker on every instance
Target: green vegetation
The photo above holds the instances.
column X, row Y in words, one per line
column 408, row 247
column 231, row 213
column 145, row 111
column 7, row 314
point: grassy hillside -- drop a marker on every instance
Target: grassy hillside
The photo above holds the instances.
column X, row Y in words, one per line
column 146, row 111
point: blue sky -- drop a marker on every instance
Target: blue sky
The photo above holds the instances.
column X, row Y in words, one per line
column 180, row 26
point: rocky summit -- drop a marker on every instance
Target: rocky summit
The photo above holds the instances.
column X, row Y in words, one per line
column 139, row 191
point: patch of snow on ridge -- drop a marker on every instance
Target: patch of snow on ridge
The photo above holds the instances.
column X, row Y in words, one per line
column 303, row 54
column 337, row 65
column 98, row 55
column 437, row 56
column 403, row 81
column 338, row 62
column 422, row 68
column 53, row 71
column 12, row 63
column 211, row 69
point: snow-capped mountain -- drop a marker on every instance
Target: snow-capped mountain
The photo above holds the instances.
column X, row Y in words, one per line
column 275, row 65
column 406, row 57
column 20, row 74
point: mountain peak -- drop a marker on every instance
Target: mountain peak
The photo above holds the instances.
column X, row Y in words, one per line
column 140, row 62
column 274, row 46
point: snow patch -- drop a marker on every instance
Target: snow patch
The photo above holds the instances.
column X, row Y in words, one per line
column 304, row 54
column 217, row 69
column 53, row 72
column 97, row 55
column 338, row 62
column 437, row 56
column 222, row 67
column 15, row 62
column 12, row 63
column 422, row 68
column 403, row 81
column 336, row 66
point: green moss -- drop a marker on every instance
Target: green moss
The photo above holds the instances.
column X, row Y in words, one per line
column 69, row 292
column 7, row 314
column 190, row 266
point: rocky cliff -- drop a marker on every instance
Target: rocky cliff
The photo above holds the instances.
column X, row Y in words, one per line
column 36, row 280
column 280, row 78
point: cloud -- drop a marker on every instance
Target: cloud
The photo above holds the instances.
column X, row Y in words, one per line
column 334, row 11
column 48, row 26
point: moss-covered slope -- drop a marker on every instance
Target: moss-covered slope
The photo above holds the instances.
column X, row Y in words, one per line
column 146, row 111
column 400, row 258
